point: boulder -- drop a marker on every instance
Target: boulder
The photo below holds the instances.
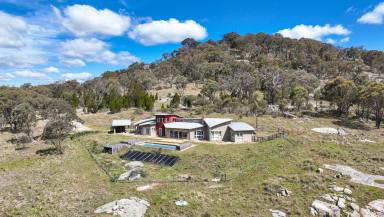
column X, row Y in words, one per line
column 336, row 188
column 328, row 198
column 134, row 164
column 353, row 214
column 320, row 170
column 354, row 206
column 341, row 203
column 347, row 191
column 278, row 213
column 367, row 213
column 313, row 211
column 132, row 174
column 326, row 209
column 377, row 206
column 132, row 207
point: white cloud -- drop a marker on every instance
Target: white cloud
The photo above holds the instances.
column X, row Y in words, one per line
column 346, row 39
column 20, row 59
column 72, row 62
column 6, row 76
column 314, row 32
column 30, row 74
column 81, row 77
column 85, row 20
column 373, row 17
column 330, row 40
column 92, row 50
column 12, row 29
column 167, row 31
column 51, row 69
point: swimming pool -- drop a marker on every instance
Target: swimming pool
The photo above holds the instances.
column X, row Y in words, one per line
column 154, row 145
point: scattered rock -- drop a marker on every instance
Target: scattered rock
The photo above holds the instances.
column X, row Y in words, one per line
column 217, row 179
column 325, row 209
column 339, row 175
column 347, row 191
column 313, row 211
column 357, row 176
column 319, row 170
column 278, row 213
column 132, row 174
column 367, row 141
column 336, row 188
column 284, row 192
column 185, row 177
column 134, row 164
column 354, row 206
column 377, row 205
column 341, row 203
column 329, row 130
column 353, row 214
column 328, row 198
column 132, row 207
column 367, row 213
column 181, row 203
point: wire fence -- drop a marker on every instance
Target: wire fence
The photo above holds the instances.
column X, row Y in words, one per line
column 279, row 134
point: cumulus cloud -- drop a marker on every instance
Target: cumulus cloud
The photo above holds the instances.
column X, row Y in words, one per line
column 314, row 32
column 81, row 77
column 85, row 20
column 373, row 17
column 30, row 74
column 79, row 50
column 72, row 62
column 346, row 39
column 6, row 76
column 167, row 31
column 51, row 69
column 12, row 29
column 20, row 59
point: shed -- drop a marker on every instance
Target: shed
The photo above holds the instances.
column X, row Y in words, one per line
column 114, row 148
column 242, row 132
column 121, row 126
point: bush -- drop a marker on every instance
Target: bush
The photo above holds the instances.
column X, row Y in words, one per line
column 21, row 140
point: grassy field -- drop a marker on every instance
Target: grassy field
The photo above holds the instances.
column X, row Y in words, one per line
column 72, row 184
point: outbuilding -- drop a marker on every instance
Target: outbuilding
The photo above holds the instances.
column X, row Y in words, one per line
column 242, row 132
column 121, row 126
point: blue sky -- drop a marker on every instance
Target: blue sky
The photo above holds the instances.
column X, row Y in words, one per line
column 44, row 41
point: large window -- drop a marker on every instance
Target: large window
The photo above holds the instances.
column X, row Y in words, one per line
column 199, row 134
column 215, row 135
column 178, row 134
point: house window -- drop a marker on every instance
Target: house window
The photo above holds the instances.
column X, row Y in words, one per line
column 215, row 135
column 199, row 134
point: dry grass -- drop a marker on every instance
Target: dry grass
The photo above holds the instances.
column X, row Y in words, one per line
column 72, row 185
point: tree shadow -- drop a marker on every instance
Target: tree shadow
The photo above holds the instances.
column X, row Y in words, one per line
column 352, row 124
column 48, row 151
column 20, row 148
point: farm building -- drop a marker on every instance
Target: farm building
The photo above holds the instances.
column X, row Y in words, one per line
column 146, row 127
column 211, row 129
column 120, row 126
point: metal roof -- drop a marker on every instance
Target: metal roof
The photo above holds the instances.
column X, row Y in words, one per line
column 211, row 122
column 241, row 126
column 148, row 123
column 166, row 114
column 183, row 125
column 144, row 121
column 116, row 123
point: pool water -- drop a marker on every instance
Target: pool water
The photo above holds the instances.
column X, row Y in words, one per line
column 153, row 145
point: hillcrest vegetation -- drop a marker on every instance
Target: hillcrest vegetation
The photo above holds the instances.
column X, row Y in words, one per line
column 53, row 135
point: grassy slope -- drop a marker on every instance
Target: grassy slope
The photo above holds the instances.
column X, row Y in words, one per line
column 72, row 184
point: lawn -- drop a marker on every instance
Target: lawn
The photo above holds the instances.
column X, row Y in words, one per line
column 72, row 184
